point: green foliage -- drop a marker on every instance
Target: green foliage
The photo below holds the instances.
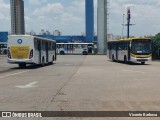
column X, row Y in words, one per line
column 155, row 40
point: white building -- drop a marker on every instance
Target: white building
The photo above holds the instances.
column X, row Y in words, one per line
column 56, row 33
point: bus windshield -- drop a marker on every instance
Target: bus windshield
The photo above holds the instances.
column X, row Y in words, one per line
column 141, row 46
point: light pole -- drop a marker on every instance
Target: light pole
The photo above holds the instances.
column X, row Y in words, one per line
column 128, row 22
column 123, row 25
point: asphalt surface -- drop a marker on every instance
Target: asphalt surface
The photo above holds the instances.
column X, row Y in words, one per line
column 81, row 83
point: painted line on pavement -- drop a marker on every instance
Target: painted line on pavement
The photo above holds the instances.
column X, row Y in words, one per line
column 13, row 74
column 132, row 71
column 29, row 85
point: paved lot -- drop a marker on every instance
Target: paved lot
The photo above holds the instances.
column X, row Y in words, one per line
column 81, row 83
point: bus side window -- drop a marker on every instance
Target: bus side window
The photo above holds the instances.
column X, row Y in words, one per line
column 79, row 46
column 122, row 46
column 65, row 46
column 49, row 46
column 109, row 46
column 119, row 46
column 57, row 46
column 61, row 46
column 113, row 46
column 43, row 45
column 126, row 45
column 84, row 46
column 35, row 44
column 53, row 45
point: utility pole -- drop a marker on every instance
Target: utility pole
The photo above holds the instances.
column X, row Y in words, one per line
column 123, row 25
column 128, row 21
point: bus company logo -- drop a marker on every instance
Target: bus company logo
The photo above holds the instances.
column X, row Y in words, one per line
column 6, row 114
column 19, row 41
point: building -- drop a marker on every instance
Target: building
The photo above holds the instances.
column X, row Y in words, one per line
column 45, row 32
column 102, row 26
column 17, row 17
column 3, row 42
column 56, row 33
column 89, row 10
column 110, row 37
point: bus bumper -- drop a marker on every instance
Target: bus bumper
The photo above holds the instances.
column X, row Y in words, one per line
column 27, row 61
column 133, row 59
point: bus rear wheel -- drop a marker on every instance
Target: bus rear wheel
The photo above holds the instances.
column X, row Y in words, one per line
column 43, row 62
column 22, row 65
column 142, row 63
column 51, row 61
column 84, row 53
column 125, row 60
column 113, row 60
column 61, row 52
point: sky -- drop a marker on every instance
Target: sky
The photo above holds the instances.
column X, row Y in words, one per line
column 145, row 14
column 68, row 16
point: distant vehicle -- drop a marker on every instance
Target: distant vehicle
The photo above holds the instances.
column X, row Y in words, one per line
column 4, row 51
column 130, row 50
column 3, row 48
column 27, row 49
column 75, row 48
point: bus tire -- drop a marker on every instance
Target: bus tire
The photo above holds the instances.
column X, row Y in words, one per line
column 142, row 63
column 125, row 60
column 113, row 60
column 61, row 52
column 43, row 62
column 84, row 53
column 22, row 65
column 52, row 60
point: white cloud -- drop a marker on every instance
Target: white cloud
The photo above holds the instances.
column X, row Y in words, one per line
column 4, row 7
column 68, row 19
column 37, row 2
column 4, row 16
column 49, row 8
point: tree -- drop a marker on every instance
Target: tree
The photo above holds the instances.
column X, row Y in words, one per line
column 155, row 40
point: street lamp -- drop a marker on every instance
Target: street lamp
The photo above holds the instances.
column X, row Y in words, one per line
column 123, row 25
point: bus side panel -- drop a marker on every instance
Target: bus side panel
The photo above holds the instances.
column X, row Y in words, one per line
column 122, row 54
column 38, row 52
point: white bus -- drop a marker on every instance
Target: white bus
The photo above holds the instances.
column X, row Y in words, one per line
column 27, row 49
column 130, row 50
column 75, row 48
